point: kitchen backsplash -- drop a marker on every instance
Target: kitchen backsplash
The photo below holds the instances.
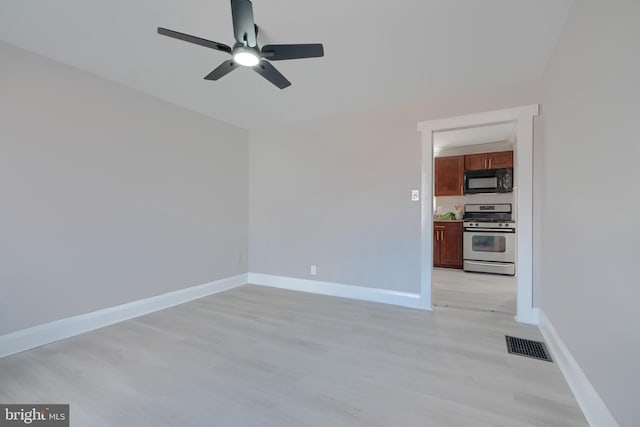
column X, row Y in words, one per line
column 445, row 204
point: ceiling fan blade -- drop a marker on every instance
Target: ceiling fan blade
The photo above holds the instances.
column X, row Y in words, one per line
column 195, row 40
column 278, row 52
column 222, row 70
column 269, row 72
column 244, row 27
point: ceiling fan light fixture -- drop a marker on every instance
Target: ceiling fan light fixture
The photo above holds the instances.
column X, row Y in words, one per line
column 246, row 57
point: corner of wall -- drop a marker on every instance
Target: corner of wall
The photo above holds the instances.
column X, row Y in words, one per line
column 595, row 410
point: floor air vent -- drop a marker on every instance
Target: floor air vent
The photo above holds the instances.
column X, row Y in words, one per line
column 527, row 348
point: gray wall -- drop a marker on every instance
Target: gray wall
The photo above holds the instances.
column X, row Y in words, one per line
column 591, row 199
column 336, row 192
column 108, row 195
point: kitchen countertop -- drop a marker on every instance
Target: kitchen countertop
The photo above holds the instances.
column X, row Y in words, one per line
column 448, row 220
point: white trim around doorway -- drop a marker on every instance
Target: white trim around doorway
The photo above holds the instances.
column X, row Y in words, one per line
column 523, row 180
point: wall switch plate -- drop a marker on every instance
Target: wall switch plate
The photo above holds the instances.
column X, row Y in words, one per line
column 313, row 270
column 415, row 195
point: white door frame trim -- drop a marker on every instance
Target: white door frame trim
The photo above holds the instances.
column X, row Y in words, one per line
column 523, row 188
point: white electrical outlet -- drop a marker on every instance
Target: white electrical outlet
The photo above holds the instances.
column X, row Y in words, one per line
column 313, row 270
column 415, row 195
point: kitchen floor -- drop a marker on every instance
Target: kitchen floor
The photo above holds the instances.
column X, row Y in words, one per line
column 475, row 291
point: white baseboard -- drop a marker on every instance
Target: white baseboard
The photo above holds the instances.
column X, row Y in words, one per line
column 26, row 339
column 593, row 407
column 386, row 296
column 532, row 317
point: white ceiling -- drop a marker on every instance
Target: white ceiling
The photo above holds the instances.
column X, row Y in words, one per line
column 377, row 53
column 503, row 132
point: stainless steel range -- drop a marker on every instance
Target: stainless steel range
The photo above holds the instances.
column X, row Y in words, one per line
column 489, row 244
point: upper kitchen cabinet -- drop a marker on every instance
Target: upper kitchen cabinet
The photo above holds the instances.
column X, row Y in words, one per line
column 474, row 162
column 501, row 159
column 449, row 176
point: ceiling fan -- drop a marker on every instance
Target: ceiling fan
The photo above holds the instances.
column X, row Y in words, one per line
column 246, row 51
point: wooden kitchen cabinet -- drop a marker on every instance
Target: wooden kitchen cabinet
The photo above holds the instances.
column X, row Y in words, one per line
column 473, row 162
column 498, row 160
column 449, row 176
column 447, row 244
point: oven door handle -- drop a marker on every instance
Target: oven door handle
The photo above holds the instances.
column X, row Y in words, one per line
column 492, row 230
column 486, row 264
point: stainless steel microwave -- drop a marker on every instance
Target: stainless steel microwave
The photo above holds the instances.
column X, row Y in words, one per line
column 488, row 181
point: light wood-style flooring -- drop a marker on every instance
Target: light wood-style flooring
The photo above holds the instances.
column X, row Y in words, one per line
column 475, row 291
column 256, row 356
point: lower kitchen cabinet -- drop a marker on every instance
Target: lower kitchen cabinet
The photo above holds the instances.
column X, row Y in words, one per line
column 447, row 244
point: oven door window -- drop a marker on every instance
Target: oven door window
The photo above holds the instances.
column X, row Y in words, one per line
column 489, row 243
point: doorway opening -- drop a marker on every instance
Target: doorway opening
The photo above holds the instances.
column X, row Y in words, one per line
column 520, row 121
column 474, row 245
